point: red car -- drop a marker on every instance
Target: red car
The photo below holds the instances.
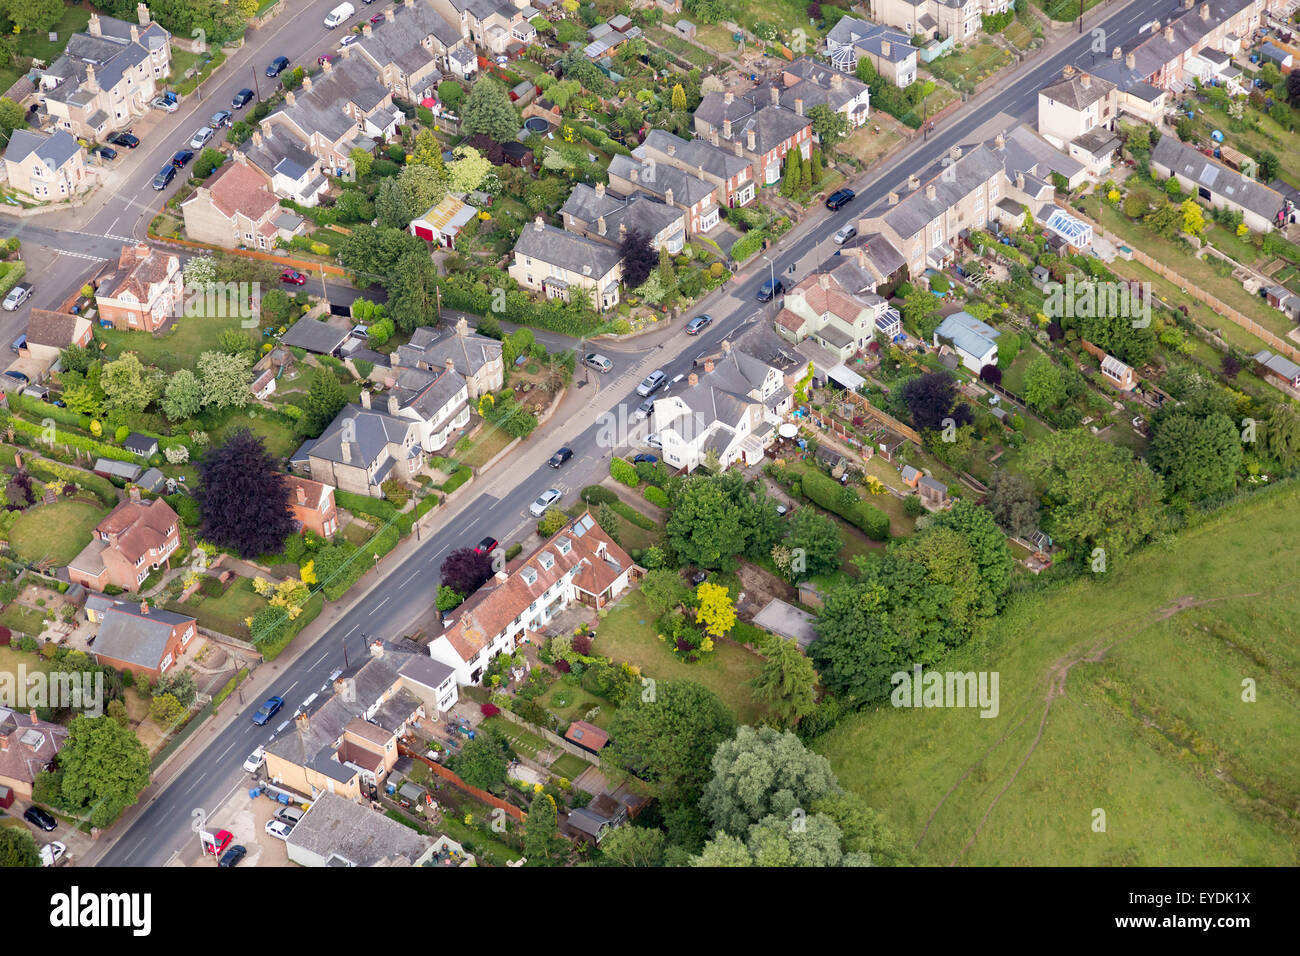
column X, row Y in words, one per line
column 323, row 59
column 222, row 840
column 377, row 18
column 293, row 277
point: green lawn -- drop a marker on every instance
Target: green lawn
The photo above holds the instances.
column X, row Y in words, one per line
column 571, row 703
column 971, row 66
column 628, row 633
column 570, row 767
column 55, row 532
column 1151, row 727
column 227, row 613
column 37, row 44
column 525, row 742
column 19, row 617
column 178, row 349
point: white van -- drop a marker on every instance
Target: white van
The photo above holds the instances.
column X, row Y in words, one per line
column 339, row 14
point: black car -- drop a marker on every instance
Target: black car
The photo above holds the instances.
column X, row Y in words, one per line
column 840, row 198
column 242, row 98
column 232, row 856
column 770, row 288
column 278, row 66
column 182, row 157
column 107, row 152
column 164, row 177
column 560, row 457
column 124, row 138
column 487, row 545
column 38, row 817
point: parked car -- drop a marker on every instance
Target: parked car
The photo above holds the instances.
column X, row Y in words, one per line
column 105, row 152
column 643, row 457
column 182, row 157
column 164, row 177
column 487, row 545
column 168, row 104
column 16, row 297
column 845, row 234
column 220, row 118
column 268, row 710
column 125, row 138
column 643, row 410
column 232, row 856
column 222, row 839
column 255, row 760
column 19, row 344
column 324, row 58
column 560, row 457
column 770, row 289
column 840, row 198
column 597, row 361
column 350, row 39
column 201, row 137
column 377, row 18
column 40, row 817
column 278, row 66
column 52, row 853
column 339, row 14
column 289, row 816
column 651, row 382
column 242, row 98
column 292, row 277
column 544, row 501
column 278, row 830
column 698, row 324
column 653, row 441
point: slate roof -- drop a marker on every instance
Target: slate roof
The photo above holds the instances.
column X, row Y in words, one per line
column 967, row 333
column 771, row 125
column 1078, row 91
column 53, row 149
column 345, row 833
column 1151, row 50
column 714, row 160
column 279, row 153
column 314, row 336
column 351, row 79
column 1216, row 177
column 918, row 210
column 428, row 393
column 401, row 42
column 127, row 634
column 687, row 189
column 640, row 212
column 434, row 345
column 586, row 257
column 871, row 37
column 372, row 432
column 816, row 85
column 139, row 444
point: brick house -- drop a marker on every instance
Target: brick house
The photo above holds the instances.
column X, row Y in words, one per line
column 234, row 208
column 136, row 538
column 727, row 169
column 142, row 639
column 142, row 292
column 762, row 132
column 28, row 745
column 312, row 505
column 49, row 333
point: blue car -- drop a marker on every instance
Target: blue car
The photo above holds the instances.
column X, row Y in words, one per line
column 268, row 710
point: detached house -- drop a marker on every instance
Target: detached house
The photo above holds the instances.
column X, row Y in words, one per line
column 689, row 191
column 476, row 358
column 805, row 83
column 312, row 505
column 135, row 539
column 597, row 214
column 47, row 167
column 762, row 132
column 49, row 333
column 142, row 292
column 560, row 264
column 361, row 449
column 233, row 209
column 28, row 745
column 409, row 48
column 838, row 318
column 974, row 341
column 731, row 409
column 727, row 169
column 580, row 563
column 436, row 400
column 890, row 51
column 143, row 639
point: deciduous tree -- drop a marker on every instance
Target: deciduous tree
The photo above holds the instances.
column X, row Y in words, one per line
column 243, row 497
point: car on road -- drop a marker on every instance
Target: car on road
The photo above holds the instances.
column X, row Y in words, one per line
column 292, row 277
column 201, row 137
column 232, row 856
column 242, row 98
column 166, row 104
column 653, row 441
column 597, row 361
column 839, row 199
column 845, row 234
column 52, row 853
column 487, row 545
column 40, row 817
column 698, row 324
column 643, row 457
column 18, row 377
column 164, row 177
column 278, row 830
column 643, row 410
column 278, row 66
column 651, row 383
column 547, row 498
column 182, row 157
column 220, row 118
column 16, row 297
column 255, row 760
column 560, row 457
column 377, row 18
column 105, row 152
column 125, row 138
column 770, row 289
column 18, row 344
column 268, row 710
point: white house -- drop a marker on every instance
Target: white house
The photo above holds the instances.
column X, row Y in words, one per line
column 974, row 341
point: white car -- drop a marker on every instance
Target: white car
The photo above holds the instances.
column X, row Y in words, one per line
column 164, row 104
column 548, row 498
column 201, row 138
column 348, row 40
column 52, row 853
column 255, row 760
column 653, row 441
column 845, row 234
column 17, row 296
column 278, row 829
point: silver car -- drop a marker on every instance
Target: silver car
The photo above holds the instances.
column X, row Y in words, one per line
column 548, row 498
column 201, row 138
column 651, row 382
column 597, row 361
column 643, row 410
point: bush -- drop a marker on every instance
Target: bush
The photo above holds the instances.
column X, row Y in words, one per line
column 656, row 496
column 210, row 586
column 512, row 552
column 624, row 471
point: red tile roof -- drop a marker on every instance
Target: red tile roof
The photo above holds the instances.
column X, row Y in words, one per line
column 139, row 526
column 238, row 188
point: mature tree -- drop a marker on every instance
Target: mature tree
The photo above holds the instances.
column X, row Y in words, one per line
column 18, row 848
column 1013, row 503
column 630, row 845
column 829, row 125
column 1198, row 457
column 424, row 184
column 786, row 684
column 243, row 497
column 863, row 830
column 664, row 590
column 128, row 386
column 1280, row 435
column 1134, row 344
column 104, row 769
column 725, row 850
column 482, row 762
column 372, row 255
column 667, row 736
column 488, row 110
column 763, row 772
column 814, row 542
column 33, row 16
column 76, row 358
column 183, row 397
column 225, row 379
column 639, row 260
column 237, row 342
column 1097, row 495
column 84, row 394
column 427, row 151
column 12, row 117
column 714, row 609
column 992, row 560
column 541, row 830
column 465, row 570
column 412, row 291
column 930, row 400
column 705, row 526
column 1044, row 384
column 468, row 171
column 991, row 374
column 773, row 841
column 325, row 399
column 921, row 310
column 392, row 204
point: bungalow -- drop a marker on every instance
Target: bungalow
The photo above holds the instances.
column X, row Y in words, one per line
column 580, row 563
column 974, row 341
column 142, row 639
column 142, row 291
column 312, row 505
column 47, row 167
column 136, row 538
column 588, row 824
column 337, row 831
column 555, row 263
column 1262, row 207
column 28, row 745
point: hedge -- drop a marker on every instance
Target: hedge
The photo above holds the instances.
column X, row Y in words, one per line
column 623, row 470
column 829, row 494
column 634, row 516
column 101, row 488
column 11, row 278
column 72, row 441
column 365, row 505
column 406, row 521
column 656, row 496
column 462, row 475
column 310, row 611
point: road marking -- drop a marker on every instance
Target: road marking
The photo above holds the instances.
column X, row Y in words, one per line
column 322, row 657
column 381, row 604
column 82, row 255
column 226, row 751
column 291, row 687
column 412, row 575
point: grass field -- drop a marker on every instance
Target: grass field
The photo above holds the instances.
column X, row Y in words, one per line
column 56, row 531
column 1121, row 694
column 190, row 337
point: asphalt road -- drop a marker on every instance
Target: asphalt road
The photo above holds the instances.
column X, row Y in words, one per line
column 406, row 590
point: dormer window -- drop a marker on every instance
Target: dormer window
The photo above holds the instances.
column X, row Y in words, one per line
column 563, row 546
column 529, row 575
column 547, row 560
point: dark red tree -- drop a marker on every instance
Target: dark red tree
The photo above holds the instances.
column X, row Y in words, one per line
column 1230, row 365
column 639, row 259
column 930, row 399
column 991, row 374
column 582, row 644
column 465, row 570
column 243, row 499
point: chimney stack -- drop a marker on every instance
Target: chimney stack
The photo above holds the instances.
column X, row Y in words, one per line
column 301, row 721
column 1000, row 141
column 1116, row 53
column 1169, row 33
column 390, row 14
column 135, row 33
column 1086, row 80
column 392, row 405
column 1068, row 71
column 1130, row 61
column 306, row 81
column 913, row 181
column 32, row 714
column 672, row 149
column 1205, row 11
column 622, row 231
column 635, row 174
column 885, row 47
column 728, row 97
column 144, row 608
column 366, row 30
column 931, row 192
column 735, row 148
column 668, row 195
column 713, row 136
column 91, row 84
column 726, row 346
column 328, row 65
column 538, row 224
column 365, row 398
column 600, row 189
column 134, row 493
column 450, row 364
column 749, row 140
column 837, row 80
column 708, row 366
column 776, row 96
column 257, row 137
column 798, row 106
column 692, row 380
column 142, row 14
column 289, row 98
column 376, row 648
column 302, row 496
column 462, row 327
column 955, row 153
column 93, row 27
column 726, row 129
column 600, row 226
column 347, row 451
column 892, row 199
